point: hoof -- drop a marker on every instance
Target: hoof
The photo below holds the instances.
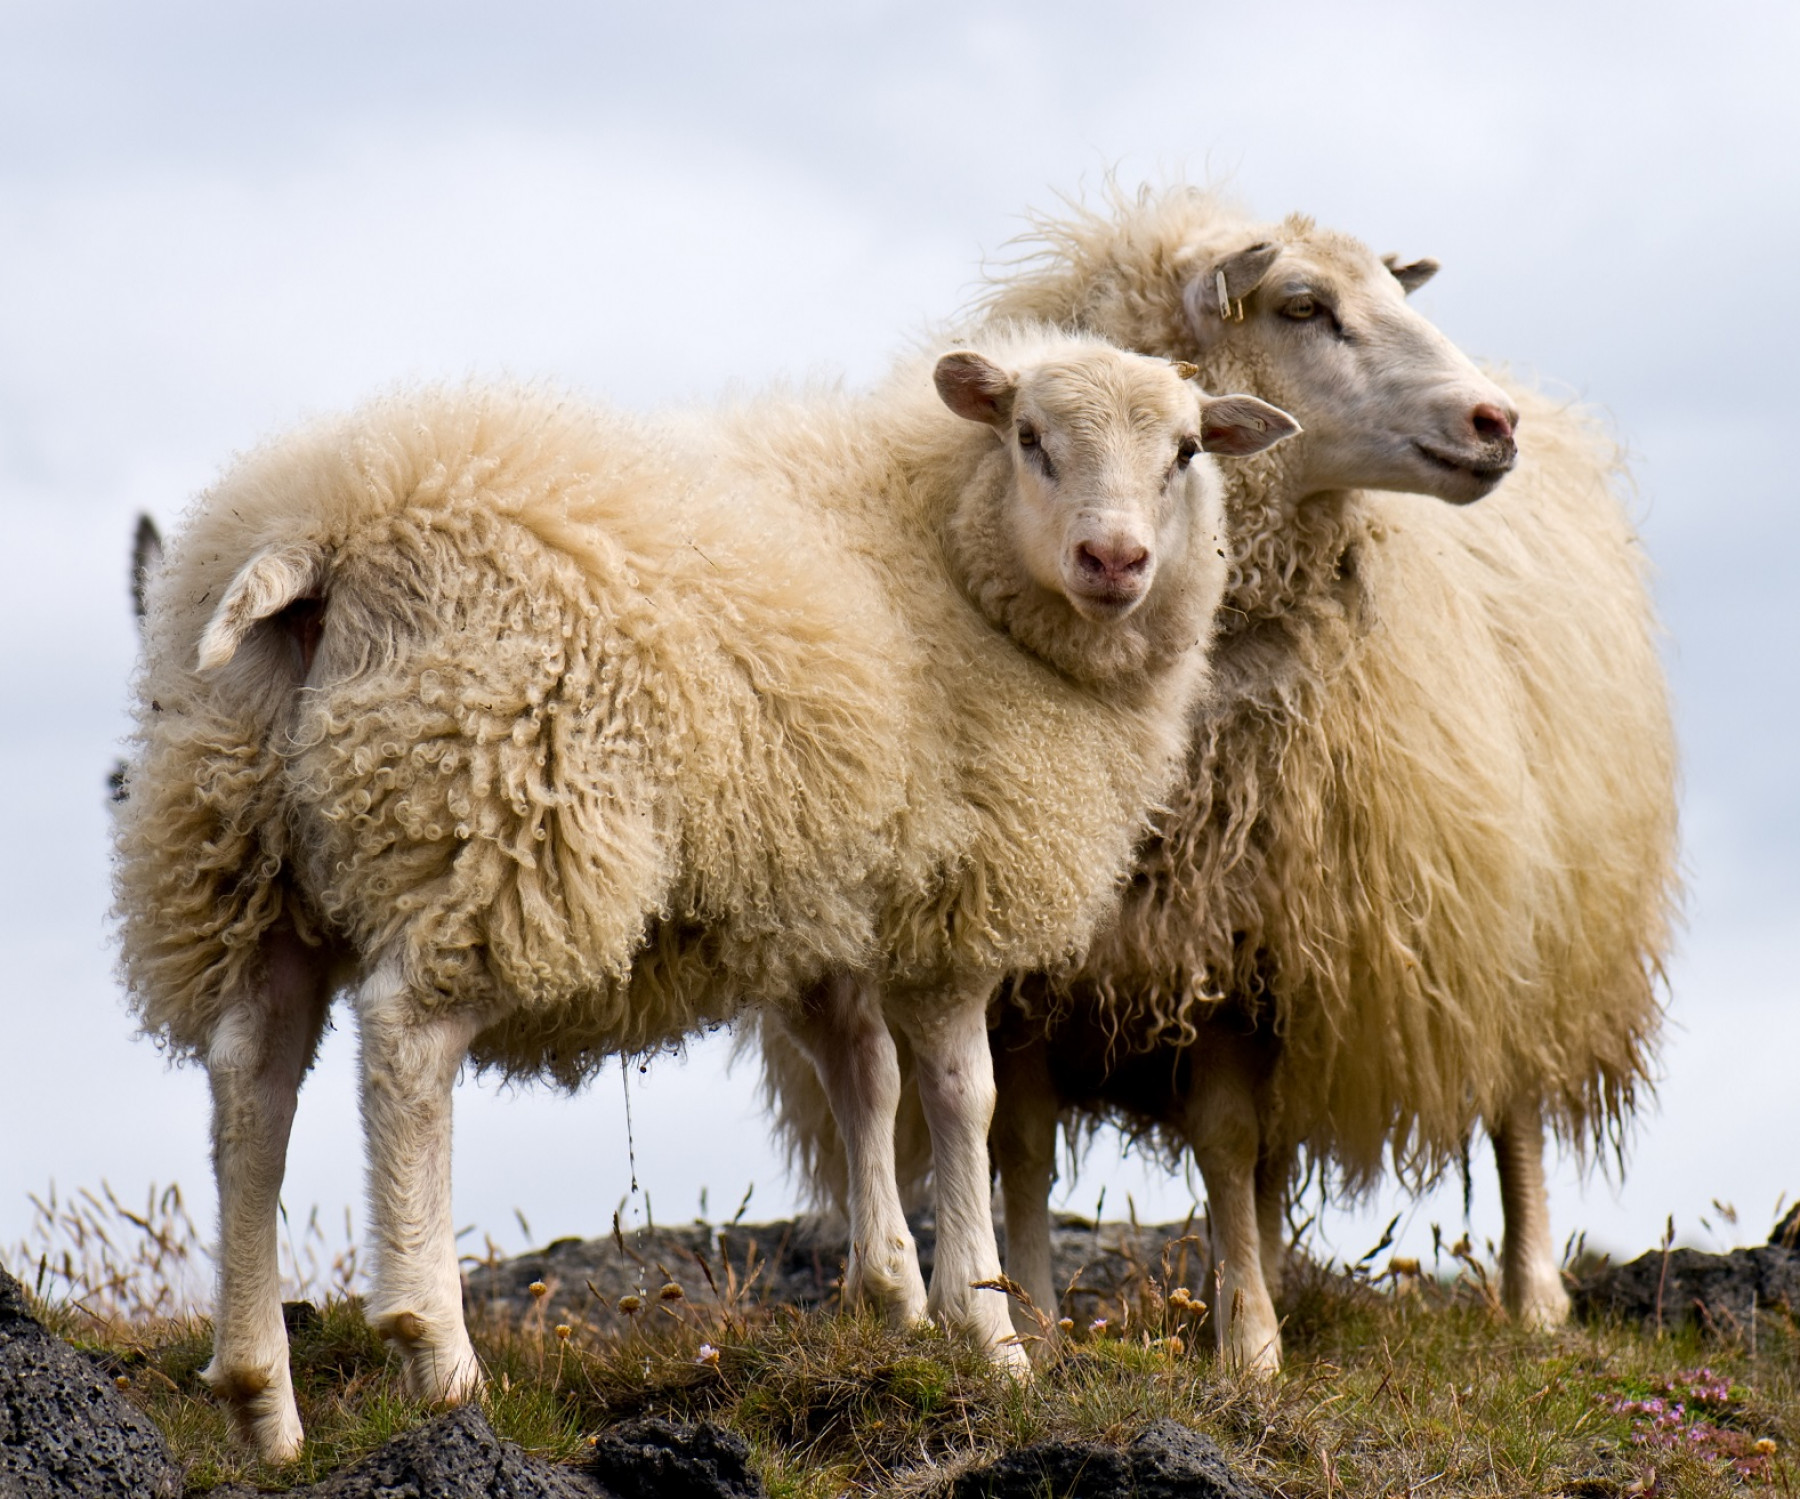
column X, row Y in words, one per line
column 1012, row 1356
column 1258, row 1356
column 890, row 1283
column 1543, row 1307
column 261, row 1406
column 439, row 1367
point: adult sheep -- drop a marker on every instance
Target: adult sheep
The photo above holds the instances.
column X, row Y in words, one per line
column 1421, row 871
column 553, row 734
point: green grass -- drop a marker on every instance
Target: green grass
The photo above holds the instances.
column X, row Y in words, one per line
column 1429, row 1392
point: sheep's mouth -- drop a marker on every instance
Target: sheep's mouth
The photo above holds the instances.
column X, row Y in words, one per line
column 1485, row 473
column 1105, row 605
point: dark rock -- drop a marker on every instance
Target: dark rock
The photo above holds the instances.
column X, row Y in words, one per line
column 300, row 1316
column 1169, row 1461
column 454, row 1456
column 1715, row 1290
column 65, row 1430
column 656, row 1459
column 780, row 1263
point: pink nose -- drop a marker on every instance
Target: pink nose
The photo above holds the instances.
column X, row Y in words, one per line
column 1493, row 423
column 1112, row 561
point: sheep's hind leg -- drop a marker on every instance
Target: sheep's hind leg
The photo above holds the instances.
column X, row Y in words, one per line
column 259, row 1053
column 1274, row 1171
column 409, row 1057
column 1024, row 1145
column 1530, row 1279
column 956, row 1088
column 842, row 1030
column 1223, row 1130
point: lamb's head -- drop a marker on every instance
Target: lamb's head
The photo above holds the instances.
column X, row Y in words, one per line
column 1096, row 545
column 1387, row 400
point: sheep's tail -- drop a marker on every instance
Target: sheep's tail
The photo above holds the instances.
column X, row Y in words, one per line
column 274, row 579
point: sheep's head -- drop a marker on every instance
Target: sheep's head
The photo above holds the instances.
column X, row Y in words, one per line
column 1105, row 478
column 1387, row 400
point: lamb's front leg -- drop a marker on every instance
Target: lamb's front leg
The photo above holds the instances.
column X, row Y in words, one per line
column 1530, row 1278
column 956, row 1088
column 259, row 1053
column 410, row 1057
column 842, row 1030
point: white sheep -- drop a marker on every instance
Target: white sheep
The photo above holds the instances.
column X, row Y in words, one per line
column 553, row 734
column 1422, row 869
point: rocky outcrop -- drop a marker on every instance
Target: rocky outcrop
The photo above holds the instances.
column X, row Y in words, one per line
column 1723, row 1292
column 800, row 1264
column 66, row 1432
column 1169, row 1461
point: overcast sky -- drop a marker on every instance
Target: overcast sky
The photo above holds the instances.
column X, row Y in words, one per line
column 215, row 219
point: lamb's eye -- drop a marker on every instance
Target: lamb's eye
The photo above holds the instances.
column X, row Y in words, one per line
column 1185, row 450
column 1300, row 309
column 1028, row 437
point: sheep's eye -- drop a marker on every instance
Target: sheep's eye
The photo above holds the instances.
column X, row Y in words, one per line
column 1185, row 450
column 1028, row 438
column 1300, row 309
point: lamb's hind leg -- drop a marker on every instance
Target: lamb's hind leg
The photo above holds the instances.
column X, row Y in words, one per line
column 410, row 1057
column 1530, row 1278
column 842, row 1030
column 1223, row 1130
column 956, row 1088
column 1024, row 1144
column 259, row 1053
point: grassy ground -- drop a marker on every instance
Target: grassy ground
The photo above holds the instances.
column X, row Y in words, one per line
column 1406, row 1384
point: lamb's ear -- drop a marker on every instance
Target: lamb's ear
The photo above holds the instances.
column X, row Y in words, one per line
column 1411, row 277
column 1212, row 295
column 976, row 388
column 267, row 584
column 146, row 557
column 1238, row 426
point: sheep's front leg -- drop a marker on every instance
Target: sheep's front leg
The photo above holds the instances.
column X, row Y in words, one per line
column 410, row 1056
column 956, row 1089
column 842, row 1031
column 1024, row 1145
column 1530, row 1278
column 1224, row 1132
column 258, row 1055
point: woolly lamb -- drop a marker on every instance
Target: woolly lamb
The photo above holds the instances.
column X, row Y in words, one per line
column 1422, row 870
column 552, row 734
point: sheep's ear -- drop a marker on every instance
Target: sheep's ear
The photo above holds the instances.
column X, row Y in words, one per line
column 266, row 585
column 1213, row 296
column 1238, row 426
column 976, row 388
column 1244, row 271
column 1411, row 277
column 146, row 557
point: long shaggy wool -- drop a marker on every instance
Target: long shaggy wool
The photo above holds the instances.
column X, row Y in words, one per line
column 614, row 724
column 1427, row 834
